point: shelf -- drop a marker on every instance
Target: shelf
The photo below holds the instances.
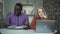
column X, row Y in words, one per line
column 27, row 4
column 30, row 15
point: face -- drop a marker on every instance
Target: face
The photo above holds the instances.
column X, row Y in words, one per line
column 40, row 12
column 17, row 13
column 18, row 10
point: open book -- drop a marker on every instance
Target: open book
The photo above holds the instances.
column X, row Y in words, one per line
column 13, row 26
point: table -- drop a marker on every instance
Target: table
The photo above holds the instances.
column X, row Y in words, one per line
column 9, row 31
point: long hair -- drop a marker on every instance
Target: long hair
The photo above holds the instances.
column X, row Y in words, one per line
column 43, row 11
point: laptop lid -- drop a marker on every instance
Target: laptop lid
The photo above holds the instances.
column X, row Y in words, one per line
column 45, row 26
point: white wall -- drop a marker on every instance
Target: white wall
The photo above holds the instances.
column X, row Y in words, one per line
column 28, row 10
column 0, row 0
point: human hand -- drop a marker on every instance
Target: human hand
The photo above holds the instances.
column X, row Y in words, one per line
column 44, row 16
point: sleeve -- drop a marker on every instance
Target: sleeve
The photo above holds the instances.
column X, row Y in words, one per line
column 8, row 20
column 26, row 22
column 46, row 18
column 33, row 24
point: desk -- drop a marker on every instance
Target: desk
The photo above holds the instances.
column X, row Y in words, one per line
column 9, row 31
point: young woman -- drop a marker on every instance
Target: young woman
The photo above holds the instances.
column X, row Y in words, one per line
column 41, row 15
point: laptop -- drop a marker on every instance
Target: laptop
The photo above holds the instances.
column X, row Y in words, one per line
column 45, row 26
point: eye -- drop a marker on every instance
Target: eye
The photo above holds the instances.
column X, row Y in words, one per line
column 42, row 11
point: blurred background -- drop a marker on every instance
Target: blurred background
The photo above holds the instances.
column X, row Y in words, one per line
column 52, row 8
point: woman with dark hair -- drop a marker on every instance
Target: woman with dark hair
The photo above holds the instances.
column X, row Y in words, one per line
column 17, row 18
